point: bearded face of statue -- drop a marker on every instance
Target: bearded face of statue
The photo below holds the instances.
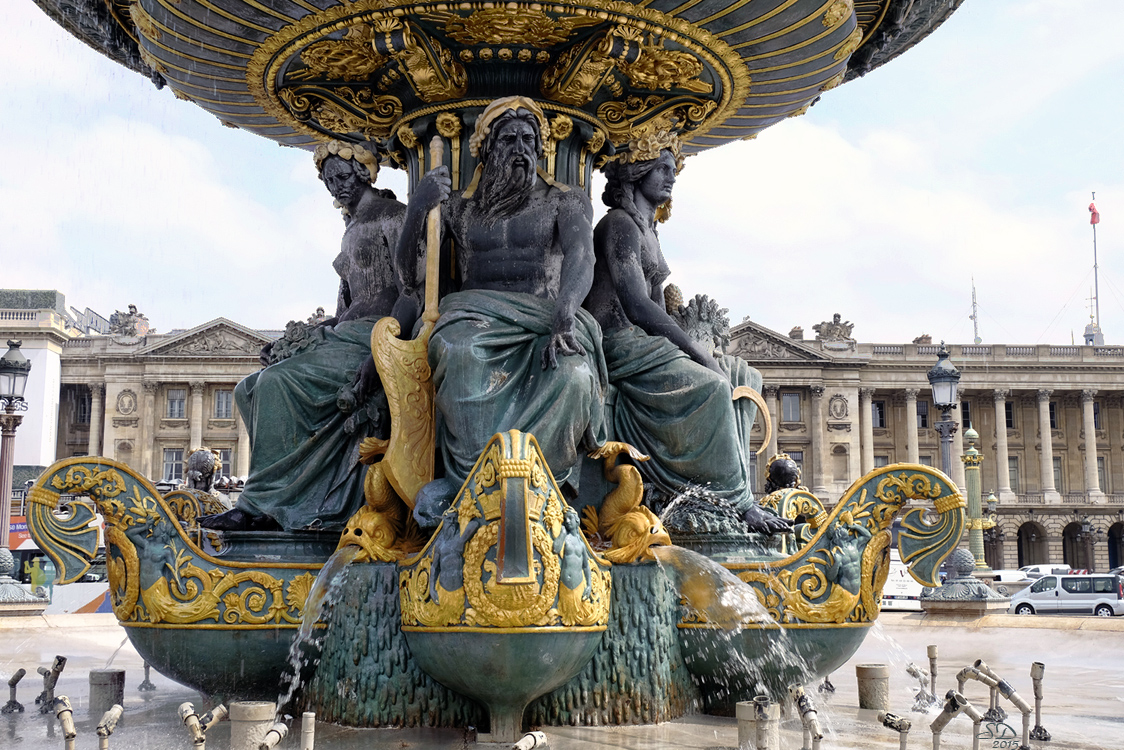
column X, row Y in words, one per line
column 342, row 181
column 508, row 176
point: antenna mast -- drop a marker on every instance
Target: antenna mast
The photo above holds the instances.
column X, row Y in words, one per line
column 974, row 317
column 1096, row 280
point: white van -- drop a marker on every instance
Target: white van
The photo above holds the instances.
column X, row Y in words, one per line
column 1091, row 594
column 1043, row 569
column 901, row 592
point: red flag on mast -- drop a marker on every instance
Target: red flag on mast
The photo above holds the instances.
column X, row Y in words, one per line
column 1094, row 215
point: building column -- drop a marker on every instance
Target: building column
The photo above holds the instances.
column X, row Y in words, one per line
column 196, row 420
column 772, row 398
column 1046, row 452
column 913, row 454
column 958, row 451
column 1092, row 485
column 97, row 418
column 1002, row 461
column 819, row 454
column 866, row 430
column 148, row 422
column 241, row 466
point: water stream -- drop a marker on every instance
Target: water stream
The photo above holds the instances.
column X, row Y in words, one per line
column 304, row 653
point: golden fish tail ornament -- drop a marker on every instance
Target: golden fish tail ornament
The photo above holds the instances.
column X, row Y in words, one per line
column 158, row 575
column 848, row 546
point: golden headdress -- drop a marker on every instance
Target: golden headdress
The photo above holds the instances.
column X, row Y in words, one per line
column 497, row 108
column 649, row 147
column 348, row 151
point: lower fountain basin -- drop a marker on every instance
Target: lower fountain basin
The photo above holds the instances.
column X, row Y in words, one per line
column 733, row 666
column 505, row 670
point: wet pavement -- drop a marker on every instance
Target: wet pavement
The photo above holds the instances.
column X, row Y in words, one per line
column 1083, row 706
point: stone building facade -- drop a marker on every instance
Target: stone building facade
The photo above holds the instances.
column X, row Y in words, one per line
column 845, row 407
column 839, row 407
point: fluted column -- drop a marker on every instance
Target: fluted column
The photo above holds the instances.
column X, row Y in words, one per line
column 957, row 451
column 241, row 466
column 819, row 454
column 1092, row 485
column 1046, row 453
column 866, row 429
column 9, row 422
column 148, row 419
column 1002, row 462
column 772, row 398
column 913, row 454
column 97, row 418
column 196, row 420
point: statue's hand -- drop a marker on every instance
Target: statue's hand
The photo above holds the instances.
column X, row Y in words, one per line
column 561, row 341
column 365, row 381
column 433, row 189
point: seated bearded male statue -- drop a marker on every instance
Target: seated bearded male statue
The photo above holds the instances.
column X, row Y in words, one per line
column 512, row 348
column 674, row 399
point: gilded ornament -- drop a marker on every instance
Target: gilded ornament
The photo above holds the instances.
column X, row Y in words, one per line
column 407, row 136
column 433, row 72
column 352, row 58
column 658, row 68
column 834, row 81
column 801, row 111
column 486, row 54
column 853, row 42
column 343, row 110
column 144, row 23
column 838, row 12
column 513, row 25
column 542, row 56
column 561, row 127
column 525, row 55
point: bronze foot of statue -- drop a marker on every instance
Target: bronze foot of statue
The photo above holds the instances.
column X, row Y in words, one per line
column 238, row 520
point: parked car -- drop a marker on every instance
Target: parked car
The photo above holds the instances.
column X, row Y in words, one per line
column 1008, row 576
column 1042, row 569
column 1097, row 594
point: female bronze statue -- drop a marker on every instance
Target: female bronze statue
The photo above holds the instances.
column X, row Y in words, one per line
column 674, row 399
column 307, row 414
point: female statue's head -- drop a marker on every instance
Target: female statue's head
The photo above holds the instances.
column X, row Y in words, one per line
column 347, row 170
column 647, row 169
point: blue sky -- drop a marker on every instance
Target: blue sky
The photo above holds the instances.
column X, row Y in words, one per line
column 974, row 154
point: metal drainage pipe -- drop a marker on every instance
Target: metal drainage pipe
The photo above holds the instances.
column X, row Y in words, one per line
column 530, row 741
column 767, row 731
column 994, row 712
column 65, row 714
column 13, row 705
column 46, row 699
column 809, row 718
column 977, row 718
column 899, row 724
column 197, row 726
column 107, row 724
column 954, row 704
column 932, row 653
column 1037, row 671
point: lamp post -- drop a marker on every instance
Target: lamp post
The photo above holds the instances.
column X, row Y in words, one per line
column 1087, row 537
column 993, row 534
column 944, row 379
column 14, row 367
column 976, row 522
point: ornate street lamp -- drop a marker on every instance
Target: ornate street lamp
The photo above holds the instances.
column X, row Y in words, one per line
column 992, row 533
column 945, row 379
column 14, row 368
column 1087, row 537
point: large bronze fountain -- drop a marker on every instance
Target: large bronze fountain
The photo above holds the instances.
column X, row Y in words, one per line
column 510, row 412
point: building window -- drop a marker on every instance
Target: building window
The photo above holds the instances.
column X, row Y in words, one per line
column 226, row 455
column 880, row 461
column 83, row 408
column 1097, row 416
column 1053, row 415
column 173, row 464
column 1009, row 414
column 878, row 413
column 1013, row 472
column 1058, row 484
column 753, row 474
column 224, row 404
column 923, row 414
column 1101, row 474
column 790, row 407
column 966, row 414
column 176, row 403
column 925, row 460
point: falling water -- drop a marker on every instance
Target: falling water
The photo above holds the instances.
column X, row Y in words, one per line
column 114, row 654
column 304, row 653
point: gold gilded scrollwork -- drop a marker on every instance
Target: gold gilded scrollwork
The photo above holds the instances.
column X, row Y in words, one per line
column 342, row 109
column 853, row 42
column 352, row 58
column 514, row 25
column 658, row 68
column 638, row 116
column 566, row 585
column 838, row 12
column 433, row 72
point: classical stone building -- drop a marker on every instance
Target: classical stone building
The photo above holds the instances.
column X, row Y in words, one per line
column 839, row 407
column 842, row 408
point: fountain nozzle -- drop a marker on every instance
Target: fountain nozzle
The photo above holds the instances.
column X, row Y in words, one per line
column 197, row 726
column 107, row 724
column 65, row 714
column 899, row 724
column 13, row 705
column 276, row 733
column 530, row 741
